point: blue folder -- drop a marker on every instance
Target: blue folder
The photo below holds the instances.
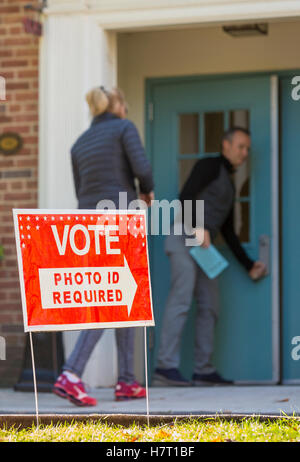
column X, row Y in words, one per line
column 210, row 260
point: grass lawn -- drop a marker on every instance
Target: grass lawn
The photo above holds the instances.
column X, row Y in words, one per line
column 248, row 430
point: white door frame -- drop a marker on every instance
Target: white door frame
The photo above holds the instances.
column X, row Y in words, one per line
column 274, row 97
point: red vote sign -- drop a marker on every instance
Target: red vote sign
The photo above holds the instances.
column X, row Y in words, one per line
column 83, row 269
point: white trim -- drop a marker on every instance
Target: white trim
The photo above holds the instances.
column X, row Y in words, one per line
column 291, row 382
column 117, row 15
column 275, row 227
column 20, row 266
column 43, row 121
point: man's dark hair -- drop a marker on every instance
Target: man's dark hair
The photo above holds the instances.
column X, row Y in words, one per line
column 228, row 135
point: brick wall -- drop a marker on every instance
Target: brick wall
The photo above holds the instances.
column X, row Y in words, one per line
column 18, row 172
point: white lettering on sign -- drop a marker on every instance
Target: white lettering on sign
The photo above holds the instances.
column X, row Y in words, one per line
column 69, row 235
column 82, row 287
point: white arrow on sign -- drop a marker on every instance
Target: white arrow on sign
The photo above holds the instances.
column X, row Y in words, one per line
column 87, row 286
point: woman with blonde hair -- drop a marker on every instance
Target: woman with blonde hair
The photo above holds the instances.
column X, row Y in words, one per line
column 100, row 101
column 106, row 159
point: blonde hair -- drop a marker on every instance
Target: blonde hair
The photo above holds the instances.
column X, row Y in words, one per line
column 100, row 100
column 115, row 96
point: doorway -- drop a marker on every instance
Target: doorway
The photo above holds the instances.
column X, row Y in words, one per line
column 188, row 117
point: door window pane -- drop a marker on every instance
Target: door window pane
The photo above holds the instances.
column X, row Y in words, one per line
column 242, row 220
column 185, row 168
column 239, row 118
column 242, row 180
column 188, row 133
column 213, row 129
column 241, row 223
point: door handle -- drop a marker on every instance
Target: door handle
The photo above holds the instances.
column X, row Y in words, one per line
column 264, row 251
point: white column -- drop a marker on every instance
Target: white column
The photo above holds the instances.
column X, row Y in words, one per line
column 76, row 54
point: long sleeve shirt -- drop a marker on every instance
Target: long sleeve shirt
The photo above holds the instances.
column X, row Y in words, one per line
column 210, row 181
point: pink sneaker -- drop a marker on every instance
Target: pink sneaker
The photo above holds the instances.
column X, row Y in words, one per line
column 73, row 391
column 125, row 391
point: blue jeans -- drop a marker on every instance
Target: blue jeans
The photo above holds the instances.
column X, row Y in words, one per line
column 86, row 343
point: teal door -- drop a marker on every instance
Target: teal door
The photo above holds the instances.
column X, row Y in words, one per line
column 186, row 121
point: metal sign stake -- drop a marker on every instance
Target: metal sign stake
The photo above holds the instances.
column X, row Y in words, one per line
column 146, row 374
column 34, row 382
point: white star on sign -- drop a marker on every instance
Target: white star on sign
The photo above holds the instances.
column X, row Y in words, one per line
column 45, row 218
column 37, row 227
column 28, row 227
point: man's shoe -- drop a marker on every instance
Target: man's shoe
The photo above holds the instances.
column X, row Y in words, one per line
column 212, row 379
column 125, row 391
column 169, row 378
column 73, row 391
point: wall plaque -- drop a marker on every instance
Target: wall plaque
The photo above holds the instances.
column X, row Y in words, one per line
column 10, row 143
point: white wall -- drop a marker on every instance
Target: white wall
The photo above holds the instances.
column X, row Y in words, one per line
column 204, row 50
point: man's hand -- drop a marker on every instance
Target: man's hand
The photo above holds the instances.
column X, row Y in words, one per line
column 147, row 197
column 203, row 234
column 258, row 270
